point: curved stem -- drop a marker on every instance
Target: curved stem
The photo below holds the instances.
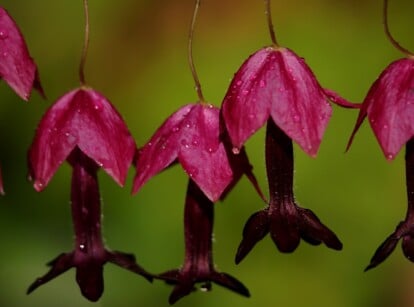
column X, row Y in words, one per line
column 190, row 53
column 388, row 34
column 85, row 44
column 270, row 23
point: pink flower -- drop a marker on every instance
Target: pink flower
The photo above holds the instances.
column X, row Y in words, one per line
column 389, row 106
column 276, row 86
column 85, row 119
column 193, row 136
column 275, row 83
column 17, row 68
column 83, row 128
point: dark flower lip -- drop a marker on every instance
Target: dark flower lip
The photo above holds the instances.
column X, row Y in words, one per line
column 89, row 270
column 193, row 137
column 185, row 283
column 286, row 228
column 389, row 106
column 17, row 68
column 404, row 231
column 81, row 118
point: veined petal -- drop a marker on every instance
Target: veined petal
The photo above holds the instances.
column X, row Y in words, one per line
column 246, row 105
column 17, row 68
column 276, row 82
column 299, row 105
column 192, row 134
column 83, row 118
column 162, row 149
column 390, row 106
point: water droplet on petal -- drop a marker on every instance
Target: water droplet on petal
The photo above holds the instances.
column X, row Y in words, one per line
column 245, row 92
column 195, row 143
column 3, row 34
column 149, row 144
column 385, row 126
column 235, row 150
column 96, row 107
column 390, row 156
column 296, row 118
column 5, row 54
column 210, row 150
column 82, row 247
column 184, row 142
column 176, row 129
column 262, row 83
column 239, row 82
column 205, row 287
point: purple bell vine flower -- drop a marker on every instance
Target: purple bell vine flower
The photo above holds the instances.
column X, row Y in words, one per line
column 274, row 85
column 389, row 106
column 84, row 128
column 195, row 137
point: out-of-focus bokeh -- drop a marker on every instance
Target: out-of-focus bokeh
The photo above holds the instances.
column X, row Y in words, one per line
column 138, row 59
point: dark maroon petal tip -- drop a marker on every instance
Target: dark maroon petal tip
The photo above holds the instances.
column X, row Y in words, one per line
column 59, row 265
column 229, row 282
column 383, row 251
column 128, row 262
column 255, row 229
column 314, row 232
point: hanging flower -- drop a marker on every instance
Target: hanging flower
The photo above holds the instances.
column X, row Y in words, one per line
column 17, row 68
column 274, row 85
column 389, row 106
column 83, row 128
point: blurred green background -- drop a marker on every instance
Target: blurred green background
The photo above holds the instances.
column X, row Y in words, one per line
column 138, row 59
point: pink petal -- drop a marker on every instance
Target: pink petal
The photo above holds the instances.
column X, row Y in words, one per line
column 299, row 105
column 83, row 118
column 277, row 82
column 162, row 149
column 192, row 135
column 390, row 106
column 246, row 105
column 17, row 68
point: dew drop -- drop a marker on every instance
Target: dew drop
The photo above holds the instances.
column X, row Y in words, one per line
column 210, row 150
column 245, row 92
column 39, row 184
column 390, row 156
column 3, row 34
column 262, row 83
column 184, row 143
column 296, row 118
column 239, row 82
column 82, row 247
column 149, row 144
column 96, row 107
column 195, row 143
column 385, row 126
column 235, row 150
column 5, row 54
column 205, row 287
column 176, row 129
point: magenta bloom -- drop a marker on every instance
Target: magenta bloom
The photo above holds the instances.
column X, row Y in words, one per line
column 198, row 264
column 83, row 128
column 276, row 86
column 193, row 136
column 17, row 68
column 389, row 106
column 275, row 83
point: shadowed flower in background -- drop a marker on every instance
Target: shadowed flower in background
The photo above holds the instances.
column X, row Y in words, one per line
column 276, row 86
column 85, row 129
column 17, row 68
column 389, row 106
